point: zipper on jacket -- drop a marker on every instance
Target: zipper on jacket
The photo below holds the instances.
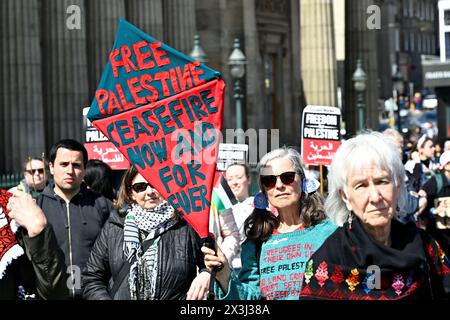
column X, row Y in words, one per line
column 70, row 250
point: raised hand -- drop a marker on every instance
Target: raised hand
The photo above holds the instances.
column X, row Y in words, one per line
column 24, row 210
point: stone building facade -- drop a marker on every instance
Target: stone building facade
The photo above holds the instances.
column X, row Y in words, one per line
column 50, row 72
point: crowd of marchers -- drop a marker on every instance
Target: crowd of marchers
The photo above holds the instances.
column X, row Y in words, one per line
column 379, row 231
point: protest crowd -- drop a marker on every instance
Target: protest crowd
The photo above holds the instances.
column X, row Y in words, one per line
column 288, row 241
column 379, row 230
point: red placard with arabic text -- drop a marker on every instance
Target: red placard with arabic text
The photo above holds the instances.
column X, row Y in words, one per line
column 320, row 134
column 108, row 153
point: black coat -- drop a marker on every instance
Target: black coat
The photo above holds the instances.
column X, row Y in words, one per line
column 441, row 235
column 88, row 212
column 40, row 271
column 179, row 256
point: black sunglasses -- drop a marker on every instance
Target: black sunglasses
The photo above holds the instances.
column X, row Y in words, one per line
column 141, row 186
column 32, row 171
column 270, row 181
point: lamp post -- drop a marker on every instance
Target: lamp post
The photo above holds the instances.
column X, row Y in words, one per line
column 399, row 86
column 197, row 53
column 359, row 81
column 237, row 61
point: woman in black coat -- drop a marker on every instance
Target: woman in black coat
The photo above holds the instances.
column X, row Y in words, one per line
column 146, row 251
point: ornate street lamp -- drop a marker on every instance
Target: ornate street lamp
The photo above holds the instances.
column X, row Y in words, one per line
column 197, row 53
column 237, row 61
column 399, row 87
column 359, row 81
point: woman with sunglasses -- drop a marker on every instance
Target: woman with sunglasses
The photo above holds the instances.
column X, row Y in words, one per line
column 372, row 256
column 146, row 251
column 35, row 177
column 287, row 225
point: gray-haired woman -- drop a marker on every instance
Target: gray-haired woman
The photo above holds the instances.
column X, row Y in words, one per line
column 372, row 256
column 280, row 238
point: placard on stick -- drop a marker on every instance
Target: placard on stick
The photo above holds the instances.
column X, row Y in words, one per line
column 320, row 134
column 164, row 112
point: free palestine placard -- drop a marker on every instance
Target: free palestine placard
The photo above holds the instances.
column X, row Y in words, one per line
column 164, row 113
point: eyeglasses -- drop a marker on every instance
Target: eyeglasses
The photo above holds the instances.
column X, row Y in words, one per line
column 269, row 181
column 141, row 186
column 33, row 171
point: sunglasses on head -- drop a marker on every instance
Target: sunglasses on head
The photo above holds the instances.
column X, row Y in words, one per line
column 32, row 171
column 269, row 181
column 141, row 186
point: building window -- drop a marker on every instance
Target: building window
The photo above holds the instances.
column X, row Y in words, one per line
column 433, row 45
column 397, row 39
column 411, row 39
column 422, row 10
column 420, row 42
column 447, row 17
column 418, row 9
column 424, row 43
column 447, row 45
column 406, row 41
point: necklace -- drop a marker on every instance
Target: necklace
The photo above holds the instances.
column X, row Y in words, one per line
column 291, row 228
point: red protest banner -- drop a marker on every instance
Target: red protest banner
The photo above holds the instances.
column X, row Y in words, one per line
column 163, row 111
column 173, row 143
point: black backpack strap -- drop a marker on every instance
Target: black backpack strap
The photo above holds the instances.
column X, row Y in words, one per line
column 125, row 270
column 105, row 208
column 40, row 200
column 120, row 277
column 439, row 183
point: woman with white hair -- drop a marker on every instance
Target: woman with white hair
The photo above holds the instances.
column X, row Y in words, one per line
column 372, row 256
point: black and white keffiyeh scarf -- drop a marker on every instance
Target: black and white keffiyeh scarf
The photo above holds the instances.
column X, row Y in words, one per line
column 144, row 270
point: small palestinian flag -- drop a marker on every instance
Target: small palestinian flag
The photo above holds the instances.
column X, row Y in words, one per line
column 222, row 196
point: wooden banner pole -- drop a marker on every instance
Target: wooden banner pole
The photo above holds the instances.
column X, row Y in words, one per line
column 321, row 180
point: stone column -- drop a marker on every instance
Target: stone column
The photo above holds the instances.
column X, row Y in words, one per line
column 360, row 43
column 209, row 18
column 256, row 109
column 179, row 24
column 21, row 111
column 65, row 70
column 294, row 95
column 102, row 22
column 147, row 15
column 318, row 52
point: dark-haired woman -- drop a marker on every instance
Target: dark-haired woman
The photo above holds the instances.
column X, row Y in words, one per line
column 100, row 177
column 146, row 252
column 279, row 241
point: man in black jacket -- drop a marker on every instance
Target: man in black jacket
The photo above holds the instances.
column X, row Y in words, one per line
column 32, row 264
column 76, row 213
